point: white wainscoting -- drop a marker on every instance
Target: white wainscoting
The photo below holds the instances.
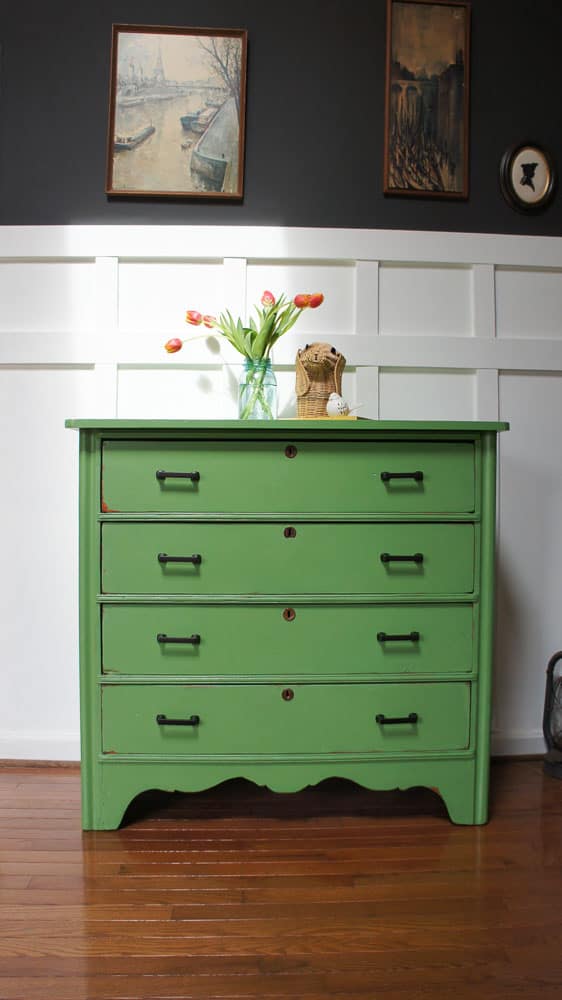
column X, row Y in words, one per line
column 433, row 325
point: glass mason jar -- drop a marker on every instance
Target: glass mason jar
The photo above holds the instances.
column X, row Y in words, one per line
column 257, row 391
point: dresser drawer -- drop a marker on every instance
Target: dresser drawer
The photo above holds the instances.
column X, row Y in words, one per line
column 203, row 640
column 257, row 476
column 271, row 558
column 259, row 719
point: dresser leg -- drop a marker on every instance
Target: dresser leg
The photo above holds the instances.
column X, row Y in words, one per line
column 459, row 794
column 115, row 792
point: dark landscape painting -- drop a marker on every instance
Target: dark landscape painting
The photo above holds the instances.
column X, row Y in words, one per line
column 426, row 124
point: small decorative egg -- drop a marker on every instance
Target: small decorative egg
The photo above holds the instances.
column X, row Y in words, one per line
column 336, row 406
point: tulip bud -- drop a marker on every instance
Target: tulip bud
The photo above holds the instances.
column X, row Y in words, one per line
column 268, row 299
column 316, row 300
column 173, row 345
column 301, row 301
column 193, row 317
column 209, row 321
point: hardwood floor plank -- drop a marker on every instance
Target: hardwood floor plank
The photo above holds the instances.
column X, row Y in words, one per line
column 279, row 986
column 383, row 883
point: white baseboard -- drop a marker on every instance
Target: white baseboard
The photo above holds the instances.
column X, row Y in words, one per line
column 518, row 744
column 40, row 746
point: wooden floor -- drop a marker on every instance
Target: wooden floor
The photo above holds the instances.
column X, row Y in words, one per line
column 238, row 893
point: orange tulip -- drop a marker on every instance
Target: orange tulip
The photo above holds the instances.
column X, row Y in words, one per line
column 316, row 300
column 173, row 345
column 274, row 317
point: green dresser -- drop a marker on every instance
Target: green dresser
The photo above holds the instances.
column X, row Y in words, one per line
column 285, row 601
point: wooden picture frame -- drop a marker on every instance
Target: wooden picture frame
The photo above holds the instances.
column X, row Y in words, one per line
column 527, row 177
column 427, row 98
column 177, row 112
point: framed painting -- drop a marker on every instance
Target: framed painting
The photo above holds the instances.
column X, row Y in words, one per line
column 527, row 177
column 176, row 112
column 427, row 98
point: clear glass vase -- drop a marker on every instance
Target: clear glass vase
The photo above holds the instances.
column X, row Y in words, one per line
column 257, row 391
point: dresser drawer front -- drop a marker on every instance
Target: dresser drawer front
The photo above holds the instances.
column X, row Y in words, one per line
column 259, row 719
column 260, row 558
column 258, row 476
column 202, row 640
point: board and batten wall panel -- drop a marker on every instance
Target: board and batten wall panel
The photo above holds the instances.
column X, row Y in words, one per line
column 427, row 394
column 55, row 295
column 433, row 326
column 154, row 295
column 529, row 302
column 529, row 571
column 38, row 594
column 425, row 300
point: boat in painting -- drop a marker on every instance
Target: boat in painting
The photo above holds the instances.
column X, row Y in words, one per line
column 189, row 118
column 203, row 120
column 215, row 156
column 130, row 141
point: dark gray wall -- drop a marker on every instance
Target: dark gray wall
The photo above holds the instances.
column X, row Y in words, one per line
column 315, row 114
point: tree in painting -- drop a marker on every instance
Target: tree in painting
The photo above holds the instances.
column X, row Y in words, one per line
column 225, row 60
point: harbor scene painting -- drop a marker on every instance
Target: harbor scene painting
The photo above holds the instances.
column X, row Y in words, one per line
column 176, row 112
column 427, row 93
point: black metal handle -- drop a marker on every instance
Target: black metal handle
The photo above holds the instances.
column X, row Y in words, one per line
column 408, row 637
column 164, row 558
column 194, row 476
column 192, row 640
column 417, row 557
column 387, row 476
column 163, row 720
column 384, row 720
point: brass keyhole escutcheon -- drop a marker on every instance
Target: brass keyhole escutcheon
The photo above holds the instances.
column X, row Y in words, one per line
column 287, row 694
column 289, row 614
column 291, row 451
column 290, row 532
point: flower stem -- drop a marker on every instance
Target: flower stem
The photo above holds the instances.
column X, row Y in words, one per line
column 255, row 376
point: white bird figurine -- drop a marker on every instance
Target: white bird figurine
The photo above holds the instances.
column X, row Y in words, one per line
column 336, row 406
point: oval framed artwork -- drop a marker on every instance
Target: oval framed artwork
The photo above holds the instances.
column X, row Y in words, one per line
column 527, row 177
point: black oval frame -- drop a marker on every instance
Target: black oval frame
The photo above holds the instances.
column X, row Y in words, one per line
column 509, row 192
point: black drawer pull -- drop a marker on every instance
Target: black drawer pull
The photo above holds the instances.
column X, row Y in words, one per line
column 408, row 637
column 163, row 720
column 192, row 640
column 163, row 558
column 387, row 476
column 385, row 720
column 416, row 558
column 194, row 476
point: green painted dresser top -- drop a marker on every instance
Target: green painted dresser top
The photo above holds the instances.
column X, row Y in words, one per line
column 341, row 426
